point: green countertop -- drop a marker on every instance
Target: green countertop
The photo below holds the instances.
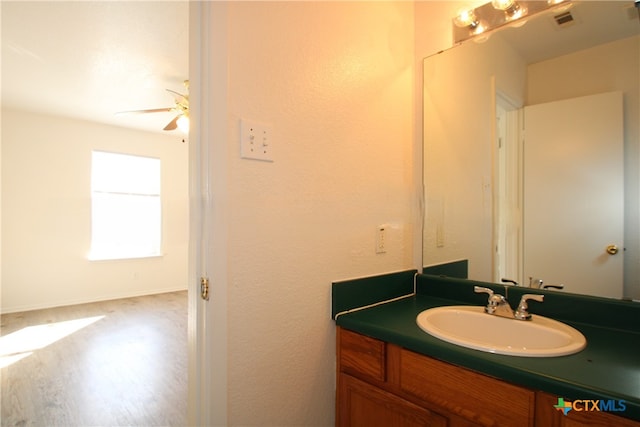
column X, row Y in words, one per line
column 608, row 368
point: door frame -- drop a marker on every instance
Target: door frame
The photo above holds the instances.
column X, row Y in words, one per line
column 506, row 167
column 207, row 324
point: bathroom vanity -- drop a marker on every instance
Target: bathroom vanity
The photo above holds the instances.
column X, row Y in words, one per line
column 390, row 372
column 383, row 384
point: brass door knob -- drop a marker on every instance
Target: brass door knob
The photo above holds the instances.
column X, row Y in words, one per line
column 612, row 249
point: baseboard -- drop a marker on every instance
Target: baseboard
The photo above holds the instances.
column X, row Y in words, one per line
column 90, row 300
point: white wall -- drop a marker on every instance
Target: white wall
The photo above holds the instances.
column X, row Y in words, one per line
column 335, row 80
column 46, row 213
column 458, row 166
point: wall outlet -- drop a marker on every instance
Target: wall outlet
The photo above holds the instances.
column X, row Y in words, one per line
column 255, row 141
column 439, row 236
column 381, row 239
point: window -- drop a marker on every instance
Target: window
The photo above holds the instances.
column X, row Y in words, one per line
column 126, row 217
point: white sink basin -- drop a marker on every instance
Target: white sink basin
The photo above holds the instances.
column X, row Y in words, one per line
column 470, row 326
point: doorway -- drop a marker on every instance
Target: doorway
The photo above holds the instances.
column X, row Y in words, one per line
column 45, row 212
column 508, row 186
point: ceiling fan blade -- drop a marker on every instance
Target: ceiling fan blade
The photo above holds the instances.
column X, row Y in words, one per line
column 180, row 98
column 173, row 124
column 176, row 93
column 153, row 110
column 181, row 107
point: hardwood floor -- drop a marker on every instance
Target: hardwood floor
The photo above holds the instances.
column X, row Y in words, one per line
column 121, row 363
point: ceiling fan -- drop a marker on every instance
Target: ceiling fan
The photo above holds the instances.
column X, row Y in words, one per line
column 181, row 108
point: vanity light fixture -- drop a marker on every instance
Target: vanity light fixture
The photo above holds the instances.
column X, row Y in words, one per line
column 472, row 22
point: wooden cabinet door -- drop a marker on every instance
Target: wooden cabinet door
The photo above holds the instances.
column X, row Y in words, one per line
column 360, row 404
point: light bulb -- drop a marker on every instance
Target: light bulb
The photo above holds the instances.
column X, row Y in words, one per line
column 183, row 123
column 512, row 10
column 478, row 27
column 465, row 18
column 502, row 4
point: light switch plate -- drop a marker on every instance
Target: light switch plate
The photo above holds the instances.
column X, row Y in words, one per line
column 255, row 141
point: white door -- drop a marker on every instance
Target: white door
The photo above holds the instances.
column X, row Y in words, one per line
column 573, row 194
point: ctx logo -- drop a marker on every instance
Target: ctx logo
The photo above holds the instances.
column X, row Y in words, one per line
column 608, row 405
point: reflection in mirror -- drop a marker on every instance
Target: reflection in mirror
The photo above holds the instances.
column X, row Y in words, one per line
column 531, row 152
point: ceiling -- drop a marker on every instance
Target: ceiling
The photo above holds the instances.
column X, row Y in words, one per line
column 593, row 23
column 90, row 60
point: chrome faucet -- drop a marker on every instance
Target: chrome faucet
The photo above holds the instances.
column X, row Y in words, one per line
column 496, row 304
column 535, row 283
column 499, row 306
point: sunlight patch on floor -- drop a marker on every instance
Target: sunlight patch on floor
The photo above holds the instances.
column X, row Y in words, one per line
column 20, row 344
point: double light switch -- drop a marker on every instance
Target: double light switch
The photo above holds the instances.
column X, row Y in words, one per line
column 255, row 141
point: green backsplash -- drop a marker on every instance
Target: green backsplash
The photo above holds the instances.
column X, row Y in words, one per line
column 458, row 269
column 603, row 312
column 354, row 293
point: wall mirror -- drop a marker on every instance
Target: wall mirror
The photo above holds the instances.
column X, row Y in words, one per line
column 531, row 152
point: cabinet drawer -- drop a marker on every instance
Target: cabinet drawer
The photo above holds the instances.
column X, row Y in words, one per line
column 361, row 356
column 475, row 397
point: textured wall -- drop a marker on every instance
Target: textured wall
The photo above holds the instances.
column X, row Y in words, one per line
column 335, row 81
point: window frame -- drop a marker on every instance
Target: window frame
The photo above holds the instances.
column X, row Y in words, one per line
column 114, row 242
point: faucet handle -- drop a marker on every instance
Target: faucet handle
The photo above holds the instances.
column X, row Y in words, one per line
column 522, row 312
column 494, row 301
column 559, row 286
column 480, row 289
